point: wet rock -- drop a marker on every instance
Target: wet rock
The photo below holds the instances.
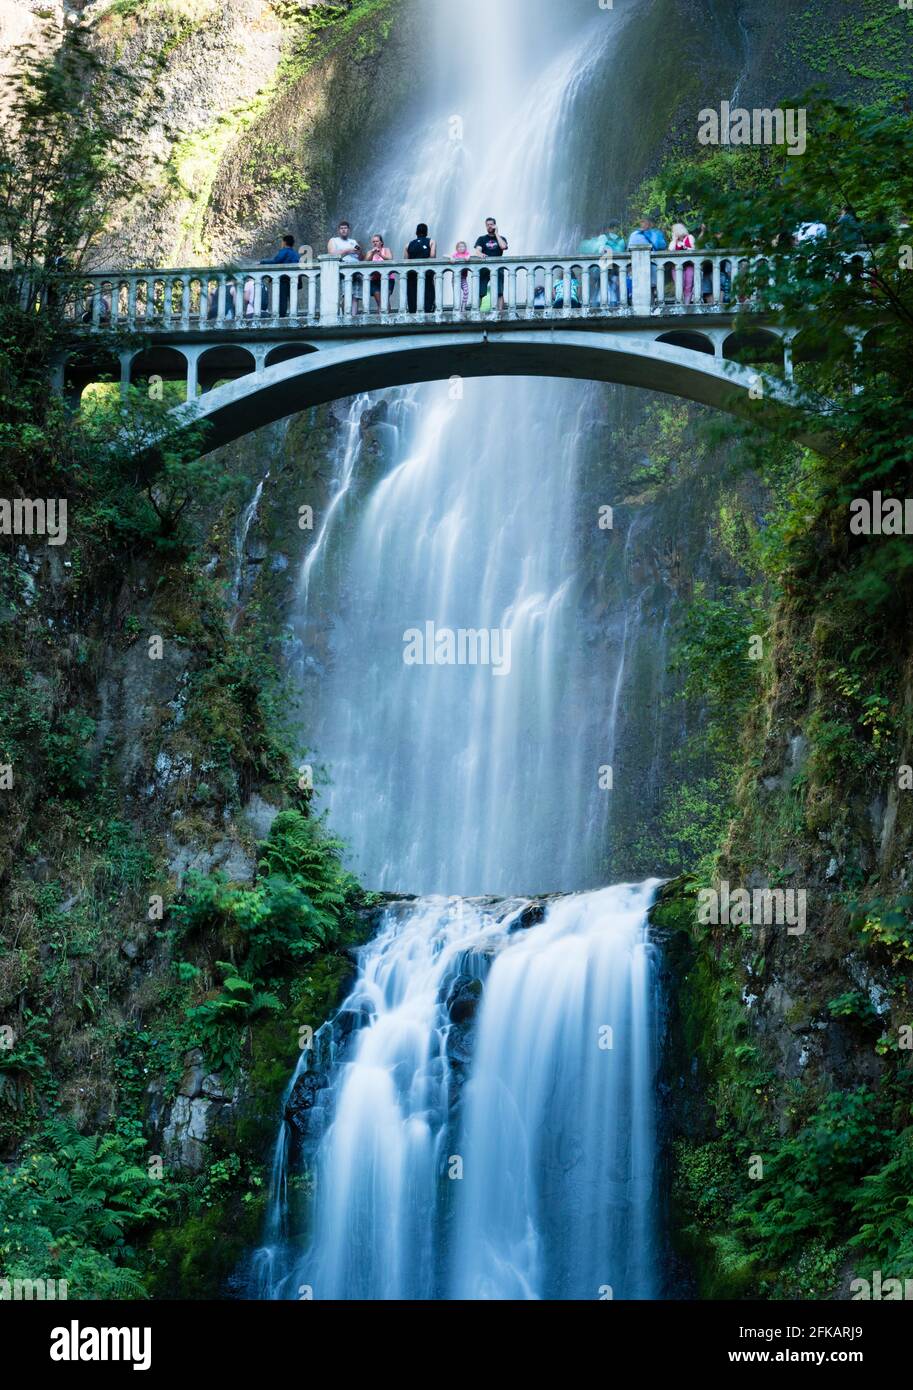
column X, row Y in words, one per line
column 191, row 1082
column 531, row 915
column 227, row 855
column 463, row 999
column 348, row 1021
column 260, row 815
column 303, row 1098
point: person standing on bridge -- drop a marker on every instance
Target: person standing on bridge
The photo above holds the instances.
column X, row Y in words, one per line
column 379, row 252
column 647, row 234
column 462, row 253
column 682, row 240
column 420, row 248
column 491, row 244
column 606, row 246
column 347, row 248
column 286, row 255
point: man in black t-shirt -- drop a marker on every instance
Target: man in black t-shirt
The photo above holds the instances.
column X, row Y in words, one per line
column 491, row 244
column 420, row 248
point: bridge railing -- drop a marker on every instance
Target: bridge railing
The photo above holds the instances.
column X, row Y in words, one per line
column 220, row 298
column 333, row 292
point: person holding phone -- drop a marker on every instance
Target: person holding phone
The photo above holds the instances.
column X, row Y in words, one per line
column 491, row 244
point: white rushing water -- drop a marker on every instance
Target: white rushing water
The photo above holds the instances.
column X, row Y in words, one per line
column 534, row 1178
column 479, row 1118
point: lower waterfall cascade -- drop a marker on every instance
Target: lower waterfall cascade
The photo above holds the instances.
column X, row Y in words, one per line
column 480, row 1111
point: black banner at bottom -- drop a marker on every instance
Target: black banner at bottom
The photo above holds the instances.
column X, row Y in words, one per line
column 294, row 1339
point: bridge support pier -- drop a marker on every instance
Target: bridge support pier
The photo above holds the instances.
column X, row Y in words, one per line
column 788, row 353
column 193, row 356
column 126, row 361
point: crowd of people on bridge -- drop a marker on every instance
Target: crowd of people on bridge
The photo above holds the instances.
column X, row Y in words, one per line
column 696, row 284
column 697, row 279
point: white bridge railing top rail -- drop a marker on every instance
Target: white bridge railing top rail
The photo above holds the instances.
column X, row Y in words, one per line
column 330, row 292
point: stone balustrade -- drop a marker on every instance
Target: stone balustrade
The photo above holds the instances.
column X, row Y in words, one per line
column 331, row 292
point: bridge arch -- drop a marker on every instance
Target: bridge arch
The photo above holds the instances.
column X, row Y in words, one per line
column 224, row 362
column 286, row 352
column 349, row 368
column 688, row 338
column 170, row 363
column 754, row 346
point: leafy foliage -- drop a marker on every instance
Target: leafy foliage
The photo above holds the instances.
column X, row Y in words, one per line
column 294, row 909
column 69, row 1210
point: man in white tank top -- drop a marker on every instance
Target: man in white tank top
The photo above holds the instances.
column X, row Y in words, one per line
column 348, row 249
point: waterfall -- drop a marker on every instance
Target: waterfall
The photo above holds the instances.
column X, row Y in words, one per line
column 535, row 1177
column 477, row 1120
column 245, row 522
column 480, row 525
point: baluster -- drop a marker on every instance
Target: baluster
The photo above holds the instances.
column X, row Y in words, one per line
column 439, row 293
column 185, row 301
column 274, row 299
column 716, row 295
column 475, row 294
column 347, row 286
column 384, row 292
column 511, row 288
column 678, row 281
column 96, row 303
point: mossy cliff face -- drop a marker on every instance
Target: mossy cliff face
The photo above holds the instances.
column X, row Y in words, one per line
column 261, row 107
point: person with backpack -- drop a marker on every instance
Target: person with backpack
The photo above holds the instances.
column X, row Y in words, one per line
column 647, row 234
column 420, row 248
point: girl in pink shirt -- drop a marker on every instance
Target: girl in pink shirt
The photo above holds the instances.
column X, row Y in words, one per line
column 462, row 253
column 682, row 240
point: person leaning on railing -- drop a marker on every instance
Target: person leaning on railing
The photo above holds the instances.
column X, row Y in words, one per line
column 348, row 250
